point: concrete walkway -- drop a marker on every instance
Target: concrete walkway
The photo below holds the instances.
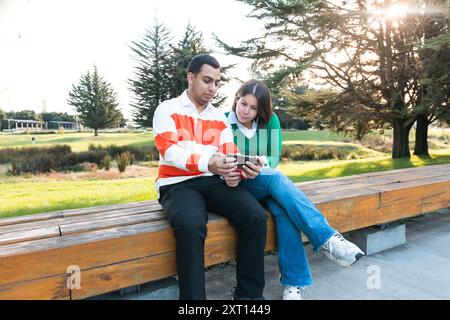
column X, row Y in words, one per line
column 420, row 269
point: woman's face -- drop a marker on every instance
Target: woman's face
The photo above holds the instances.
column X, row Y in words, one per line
column 247, row 109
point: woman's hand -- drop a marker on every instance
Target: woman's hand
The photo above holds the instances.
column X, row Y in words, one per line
column 251, row 171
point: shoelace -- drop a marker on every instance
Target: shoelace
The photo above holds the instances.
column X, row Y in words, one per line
column 292, row 289
column 339, row 236
column 326, row 246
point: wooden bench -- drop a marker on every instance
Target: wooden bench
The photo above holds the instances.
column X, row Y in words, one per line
column 123, row 245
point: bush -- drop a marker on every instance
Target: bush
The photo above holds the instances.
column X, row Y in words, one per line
column 122, row 161
column 106, row 163
column 139, row 153
column 308, row 152
column 12, row 154
column 92, row 156
column 38, row 163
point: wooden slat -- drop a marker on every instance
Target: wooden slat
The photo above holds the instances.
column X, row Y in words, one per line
column 338, row 195
column 28, row 235
column 51, row 288
column 125, row 274
column 368, row 180
column 351, row 213
column 30, row 218
column 79, row 218
column 53, row 256
column 30, row 225
column 99, row 209
column 114, row 214
column 92, row 225
column 319, row 184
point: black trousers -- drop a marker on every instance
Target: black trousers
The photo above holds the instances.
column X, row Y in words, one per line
column 186, row 205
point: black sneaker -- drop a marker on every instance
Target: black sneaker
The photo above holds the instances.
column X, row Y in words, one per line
column 238, row 297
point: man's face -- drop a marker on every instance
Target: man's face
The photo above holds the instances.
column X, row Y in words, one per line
column 204, row 85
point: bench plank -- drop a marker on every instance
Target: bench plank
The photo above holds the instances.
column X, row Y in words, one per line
column 28, row 235
column 51, row 288
column 92, row 225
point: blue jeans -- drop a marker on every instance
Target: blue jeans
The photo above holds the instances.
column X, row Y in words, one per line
column 293, row 212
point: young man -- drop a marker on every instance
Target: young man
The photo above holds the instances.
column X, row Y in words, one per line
column 192, row 138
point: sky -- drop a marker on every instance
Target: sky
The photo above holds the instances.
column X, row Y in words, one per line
column 46, row 45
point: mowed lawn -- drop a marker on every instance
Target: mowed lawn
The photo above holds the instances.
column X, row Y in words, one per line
column 44, row 193
column 77, row 141
column 36, row 195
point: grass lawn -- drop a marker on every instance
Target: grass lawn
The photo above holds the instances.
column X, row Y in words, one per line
column 300, row 171
column 43, row 193
column 34, row 195
column 77, row 141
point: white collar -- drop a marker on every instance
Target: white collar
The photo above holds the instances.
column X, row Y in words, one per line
column 186, row 101
column 248, row 133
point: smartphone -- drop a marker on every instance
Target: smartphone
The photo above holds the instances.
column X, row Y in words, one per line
column 242, row 159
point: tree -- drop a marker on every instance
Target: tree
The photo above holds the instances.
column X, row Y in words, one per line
column 189, row 46
column 435, row 76
column 23, row 115
column 161, row 70
column 151, row 83
column 95, row 101
column 2, row 117
column 331, row 109
column 365, row 50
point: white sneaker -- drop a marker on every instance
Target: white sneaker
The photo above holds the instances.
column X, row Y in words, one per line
column 292, row 293
column 342, row 251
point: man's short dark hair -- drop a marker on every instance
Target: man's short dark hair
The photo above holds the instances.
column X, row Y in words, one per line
column 198, row 61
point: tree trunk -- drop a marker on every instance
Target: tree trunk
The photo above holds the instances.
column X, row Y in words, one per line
column 95, row 132
column 421, row 144
column 400, row 148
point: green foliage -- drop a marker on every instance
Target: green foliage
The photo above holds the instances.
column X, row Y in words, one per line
column 151, row 81
column 2, row 117
column 123, row 160
column 373, row 62
column 309, row 152
column 137, row 153
column 45, row 159
column 95, row 101
column 160, row 73
column 106, row 163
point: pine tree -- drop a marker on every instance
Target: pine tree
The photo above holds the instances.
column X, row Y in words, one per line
column 152, row 81
column 95, row 101
column 161, row 70
column 189, row 46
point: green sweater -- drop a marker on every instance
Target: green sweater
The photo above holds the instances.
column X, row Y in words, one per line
column 265, row 142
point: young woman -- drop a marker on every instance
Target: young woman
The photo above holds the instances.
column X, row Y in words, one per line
column 257, row 132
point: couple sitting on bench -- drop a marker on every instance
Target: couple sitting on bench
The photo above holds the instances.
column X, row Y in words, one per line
column 198, row 174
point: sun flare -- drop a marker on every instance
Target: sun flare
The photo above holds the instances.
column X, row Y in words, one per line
column 396, row 11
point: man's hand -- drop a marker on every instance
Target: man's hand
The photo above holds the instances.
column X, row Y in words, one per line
column 221, row 165
column 232, row 179
column 251, row 171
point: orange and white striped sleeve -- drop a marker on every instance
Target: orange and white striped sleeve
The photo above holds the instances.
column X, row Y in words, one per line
column 166, row 141
column 227, row 144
